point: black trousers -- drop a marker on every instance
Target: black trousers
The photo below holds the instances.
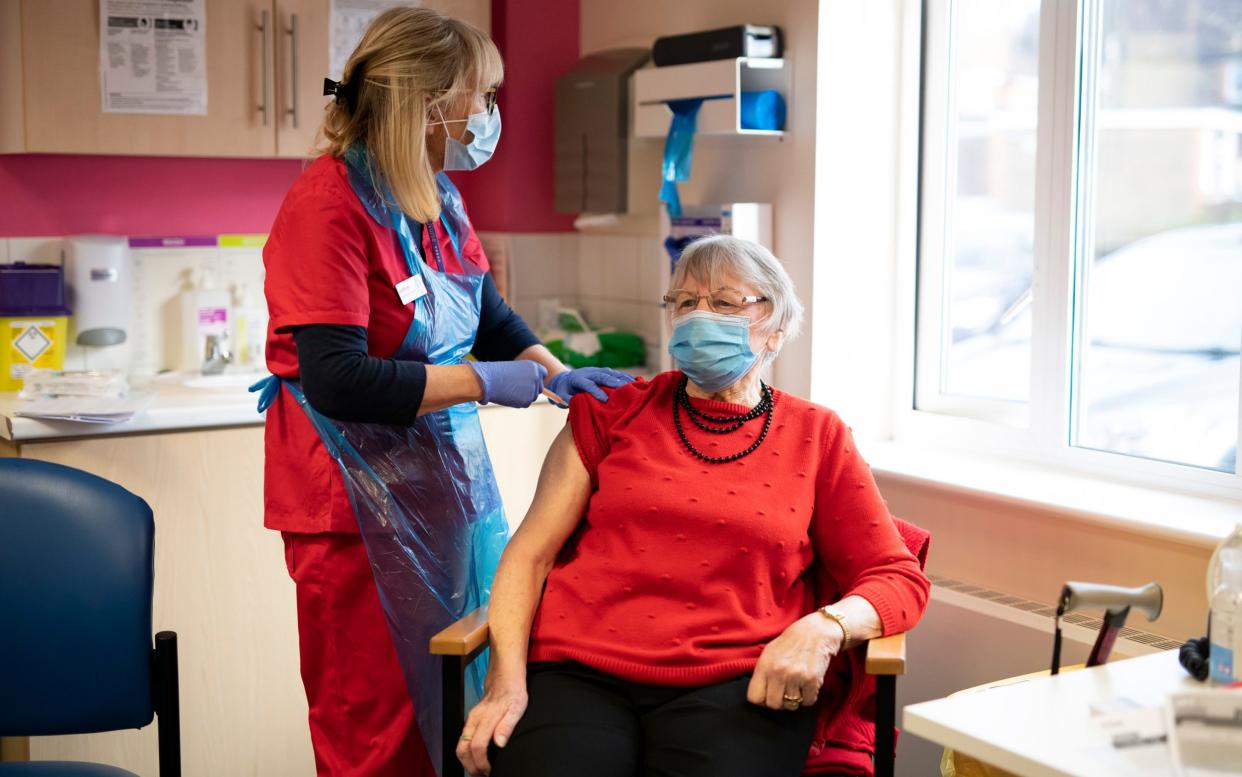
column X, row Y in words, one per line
column 583, row 722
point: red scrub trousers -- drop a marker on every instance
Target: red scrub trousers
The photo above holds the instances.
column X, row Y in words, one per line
column 361, row 720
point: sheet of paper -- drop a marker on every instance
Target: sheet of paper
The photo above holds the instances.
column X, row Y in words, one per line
column 153, row 56
column 87, row 410
column 1206, row 732
column 348, row 20
column 1125, row 737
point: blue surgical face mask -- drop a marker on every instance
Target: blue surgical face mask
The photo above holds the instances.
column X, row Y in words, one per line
column 485, row 127
column 712, row 349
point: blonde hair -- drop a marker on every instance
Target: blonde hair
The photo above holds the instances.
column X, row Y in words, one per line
column 409, row 63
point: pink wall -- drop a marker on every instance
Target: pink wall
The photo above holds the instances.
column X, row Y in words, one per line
column 57, row 194
column 63, row 194
column 513, row 192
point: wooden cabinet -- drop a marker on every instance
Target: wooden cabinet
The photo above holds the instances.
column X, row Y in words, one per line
column 266, row 60
column 60, row 72
column 300, row 67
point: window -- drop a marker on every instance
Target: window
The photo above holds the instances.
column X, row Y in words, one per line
column 980, row 214
column 1080, row 226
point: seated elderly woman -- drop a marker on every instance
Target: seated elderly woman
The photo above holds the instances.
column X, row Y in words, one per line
column 698, row 550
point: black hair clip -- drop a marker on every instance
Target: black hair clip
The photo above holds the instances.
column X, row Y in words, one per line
column 346, row 92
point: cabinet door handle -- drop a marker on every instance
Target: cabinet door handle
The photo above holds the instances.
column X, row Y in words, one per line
column 293, row 67
column 264, row 32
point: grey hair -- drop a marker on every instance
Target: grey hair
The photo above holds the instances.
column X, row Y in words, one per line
column 708, row 258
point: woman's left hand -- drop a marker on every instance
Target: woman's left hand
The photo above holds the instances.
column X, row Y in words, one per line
column 588, row 379
column 792, row 666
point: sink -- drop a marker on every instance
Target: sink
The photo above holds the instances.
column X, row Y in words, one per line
column 226, row 381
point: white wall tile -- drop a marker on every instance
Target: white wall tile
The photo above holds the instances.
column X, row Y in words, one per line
column 550, row 269
column 591, row 261
column 596, row 311
column 241, row 267
column 654, row 270
column 528, row 309
column 621, row 267
column 522, row 272
column 499, row 249
column 629, row 317
column 651, row 322
column 36, row 250
column 571, row 246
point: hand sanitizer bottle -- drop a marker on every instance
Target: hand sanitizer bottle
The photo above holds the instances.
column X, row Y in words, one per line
column 204, row 314
column 1225, row 588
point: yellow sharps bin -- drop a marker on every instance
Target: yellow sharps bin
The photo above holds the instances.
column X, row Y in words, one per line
column 34, row 321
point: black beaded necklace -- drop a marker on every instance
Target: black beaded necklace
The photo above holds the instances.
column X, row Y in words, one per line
column 725, row 423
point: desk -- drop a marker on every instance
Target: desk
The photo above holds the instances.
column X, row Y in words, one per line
column 1043, row 727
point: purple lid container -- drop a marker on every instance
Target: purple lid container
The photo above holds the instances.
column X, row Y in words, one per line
column 32, row 290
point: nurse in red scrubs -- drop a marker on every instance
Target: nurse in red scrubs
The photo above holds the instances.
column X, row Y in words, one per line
column 378, row 289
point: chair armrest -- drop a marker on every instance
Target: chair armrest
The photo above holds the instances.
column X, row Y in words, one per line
column 463, row 638
column 887, row 655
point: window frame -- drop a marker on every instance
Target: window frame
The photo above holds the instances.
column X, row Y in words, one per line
column 1068, row 60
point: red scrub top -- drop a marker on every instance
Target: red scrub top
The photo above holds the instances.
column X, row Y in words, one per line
column 328, row 262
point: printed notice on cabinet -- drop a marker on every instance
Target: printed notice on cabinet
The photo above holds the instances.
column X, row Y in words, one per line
column 349, row 19
column 153, row 56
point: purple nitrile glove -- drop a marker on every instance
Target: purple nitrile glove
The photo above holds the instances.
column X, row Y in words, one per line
column 588, row 379
column 513, row 384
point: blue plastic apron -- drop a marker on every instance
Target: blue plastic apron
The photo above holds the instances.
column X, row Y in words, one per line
column 424, row 495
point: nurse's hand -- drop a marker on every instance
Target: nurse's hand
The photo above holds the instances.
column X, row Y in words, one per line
column 513, row 384
column 588, row 379
column 492, row 720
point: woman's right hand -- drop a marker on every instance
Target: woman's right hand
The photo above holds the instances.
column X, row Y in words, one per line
column 515, row 384
column 492, row 720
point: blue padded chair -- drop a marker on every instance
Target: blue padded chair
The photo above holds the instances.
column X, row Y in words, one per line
column 76, row 655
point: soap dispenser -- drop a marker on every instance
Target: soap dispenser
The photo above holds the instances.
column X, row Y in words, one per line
column 204, row 315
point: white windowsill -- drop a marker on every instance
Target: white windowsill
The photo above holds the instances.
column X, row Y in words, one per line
column 1195, row 520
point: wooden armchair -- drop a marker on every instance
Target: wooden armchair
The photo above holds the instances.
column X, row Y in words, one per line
column 463, row 641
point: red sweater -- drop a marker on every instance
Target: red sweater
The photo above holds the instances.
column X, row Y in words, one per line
column 681, row 571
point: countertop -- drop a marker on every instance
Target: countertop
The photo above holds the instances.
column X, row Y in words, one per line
column 175, row 405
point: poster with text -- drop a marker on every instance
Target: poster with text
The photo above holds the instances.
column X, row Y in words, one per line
column 153, row 56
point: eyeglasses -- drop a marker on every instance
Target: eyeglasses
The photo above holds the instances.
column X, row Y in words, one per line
column 726, row 301
column 489, row 103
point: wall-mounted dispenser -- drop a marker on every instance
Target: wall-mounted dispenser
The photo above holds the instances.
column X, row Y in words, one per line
column 592, row 127
column 99, row 277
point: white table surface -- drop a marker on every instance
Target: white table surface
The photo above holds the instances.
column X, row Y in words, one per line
column 1046, row 726
column 174, row 406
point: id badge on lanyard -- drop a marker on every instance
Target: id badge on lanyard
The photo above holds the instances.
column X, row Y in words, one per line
column 414, row 287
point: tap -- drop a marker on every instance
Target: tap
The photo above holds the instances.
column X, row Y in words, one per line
column 217, row 354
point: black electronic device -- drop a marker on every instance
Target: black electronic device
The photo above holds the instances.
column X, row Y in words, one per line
column 744, row 40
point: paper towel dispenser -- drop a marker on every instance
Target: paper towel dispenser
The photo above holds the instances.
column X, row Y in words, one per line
column 592, row 129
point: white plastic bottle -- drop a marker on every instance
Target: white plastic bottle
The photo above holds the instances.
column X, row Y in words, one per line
column 204, row 313
column 249, row 327
column 256, row 326
column 1225, row 590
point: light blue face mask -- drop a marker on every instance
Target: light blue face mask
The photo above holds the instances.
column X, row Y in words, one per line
column 485, row 127
column 712, row 349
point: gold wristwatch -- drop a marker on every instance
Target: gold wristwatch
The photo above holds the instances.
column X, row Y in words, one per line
column 840, row 619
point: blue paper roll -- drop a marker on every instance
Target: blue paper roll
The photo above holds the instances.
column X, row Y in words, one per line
column 677, row 151
column 763, row 110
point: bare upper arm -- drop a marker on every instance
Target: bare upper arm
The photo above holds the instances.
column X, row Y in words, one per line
column 560, row 501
